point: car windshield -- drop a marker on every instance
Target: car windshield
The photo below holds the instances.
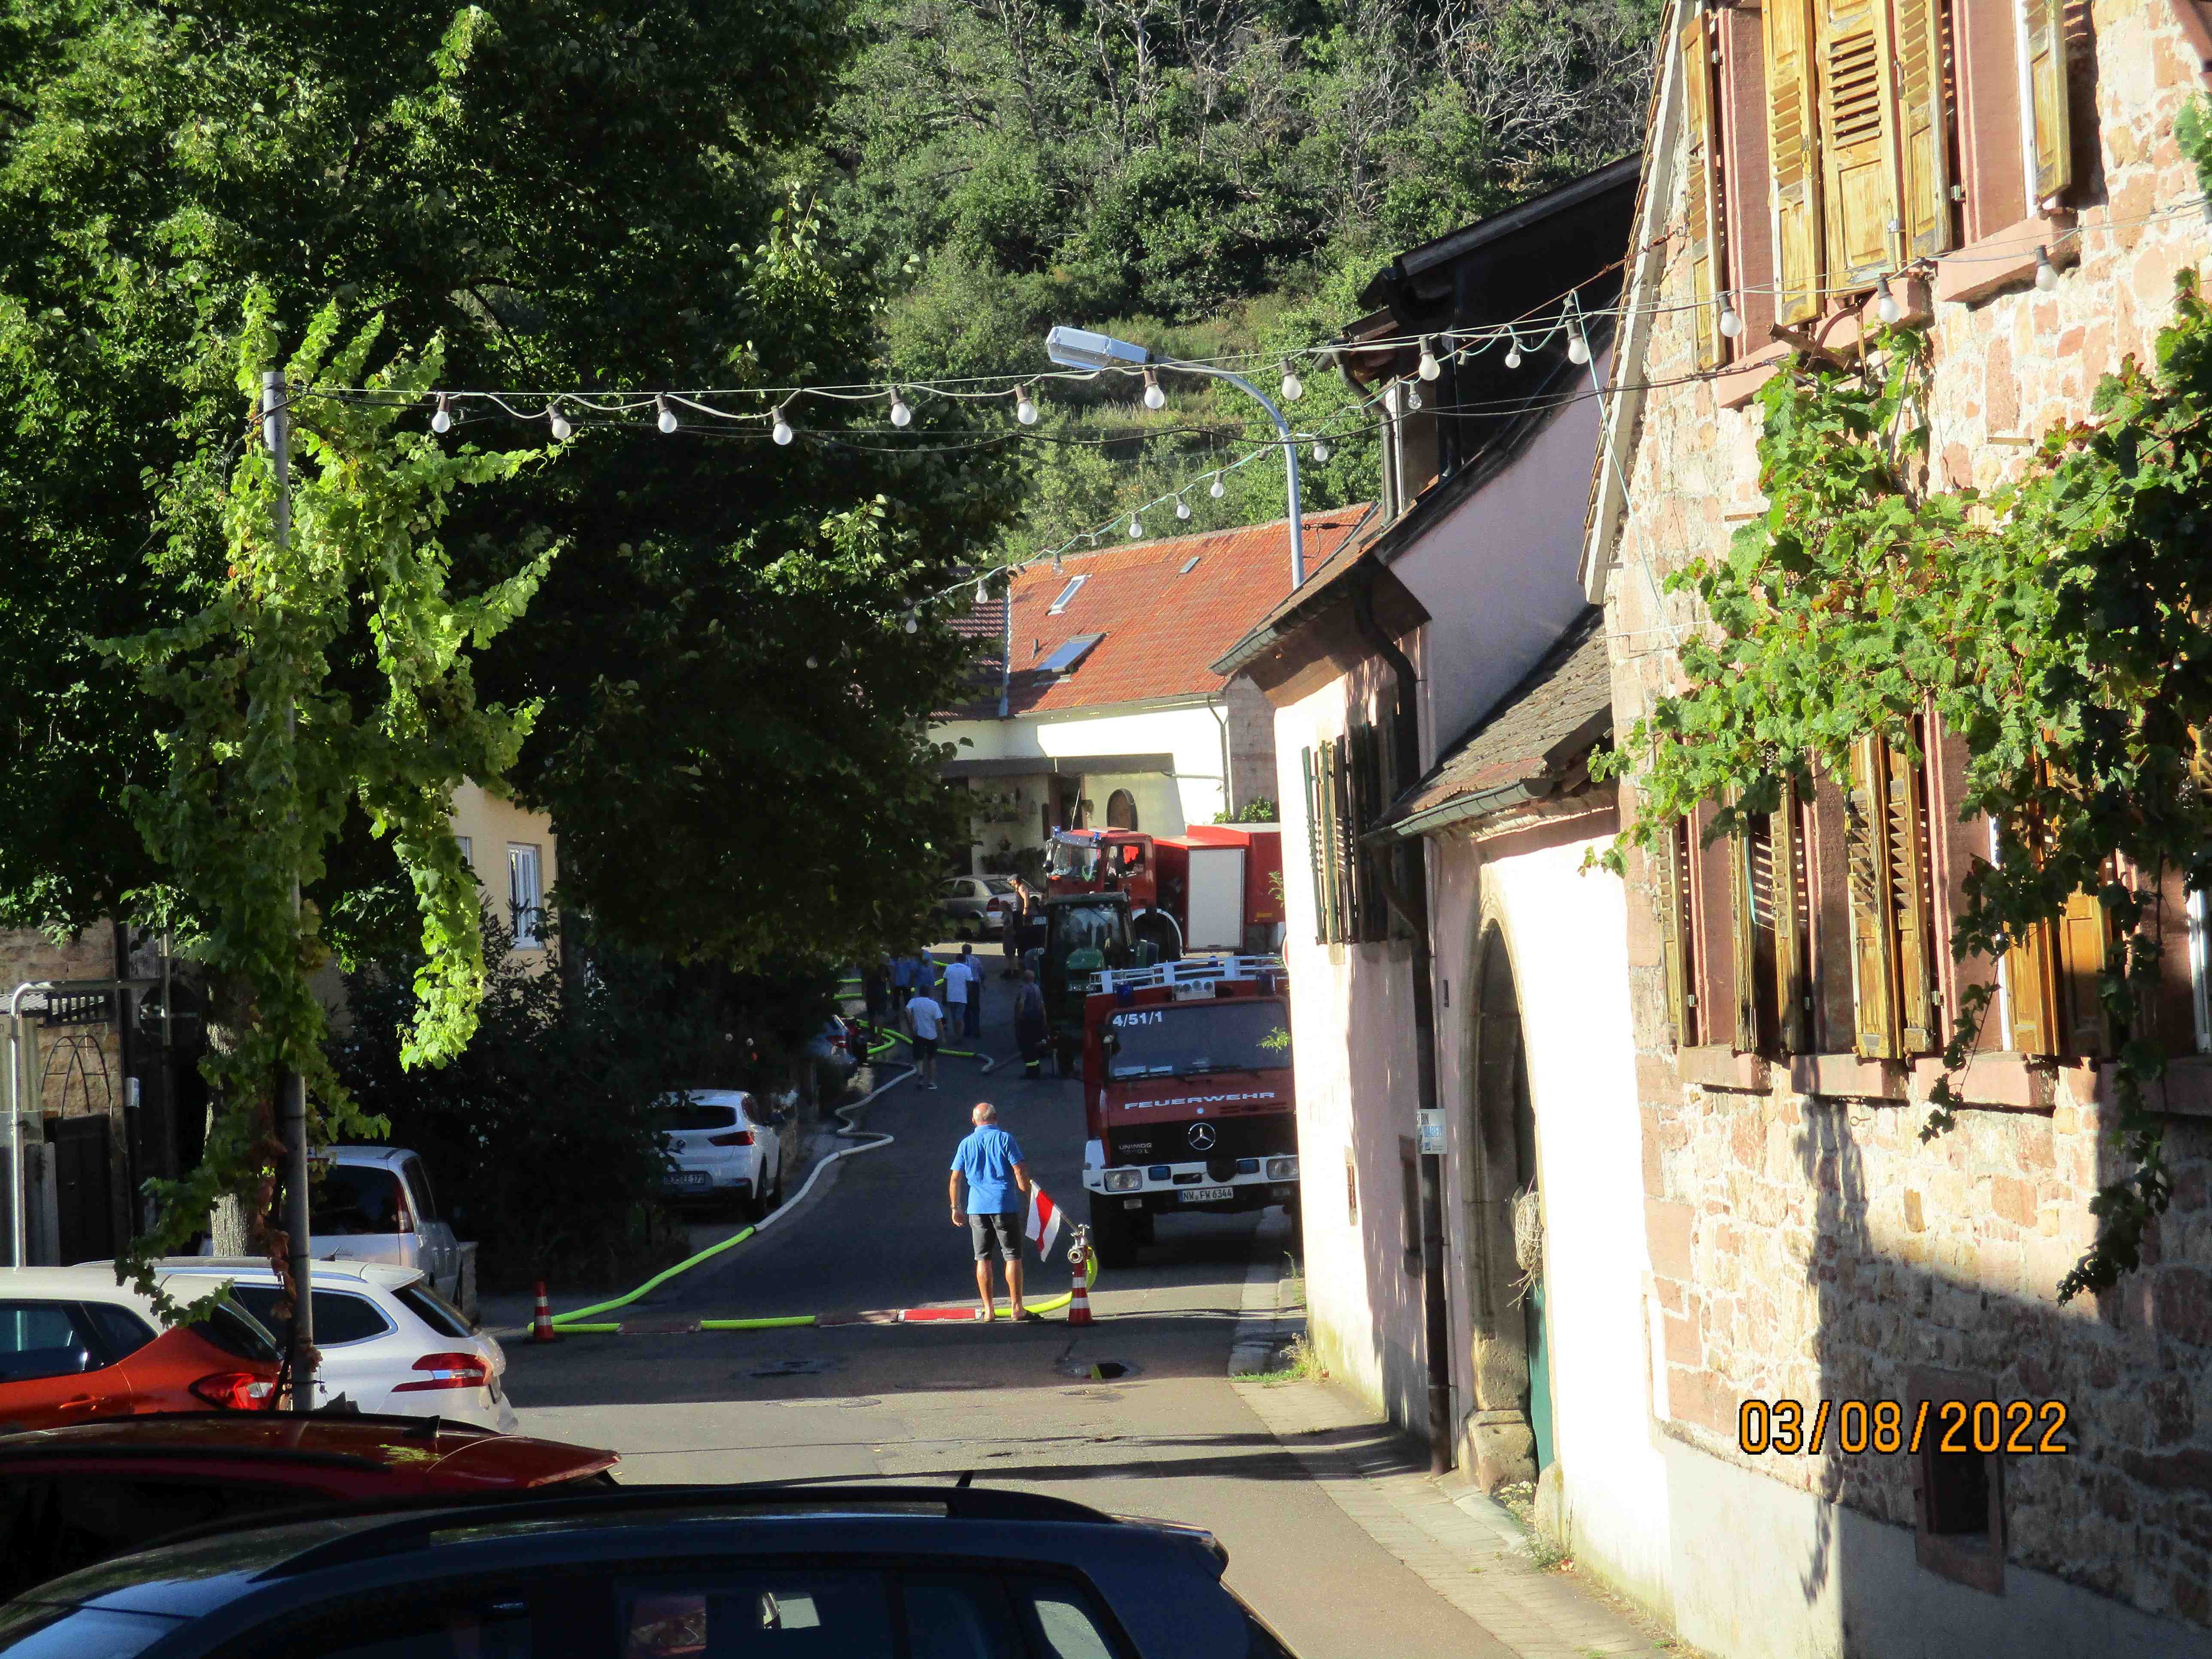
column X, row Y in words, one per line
column 999, row 884
column 238, row 1333
column 1074, row 860
column 695, row 1114
column 1183, row 1039
column 355, row 1198
column 1088, row 927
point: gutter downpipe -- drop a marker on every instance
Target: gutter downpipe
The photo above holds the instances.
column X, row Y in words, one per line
column 18, row 1236
column 1411, row 901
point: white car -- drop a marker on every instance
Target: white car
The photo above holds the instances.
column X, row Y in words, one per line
column 374, row 1204
column 720, row 1146
column 388, row 1342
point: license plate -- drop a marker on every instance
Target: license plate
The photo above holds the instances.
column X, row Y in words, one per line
column 691, row 1180
column 1205, row 1195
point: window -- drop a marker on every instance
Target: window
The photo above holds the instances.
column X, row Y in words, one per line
column 1670, row 894
column 525, row 896
column 1349, row 783
column 354, row 1198
column 120, row 1329
column 468, row 850
column 340, row 1316
column 1188, row 565
column 1070, row 653
column 1885, row 856
column 418, row 1188
column 1350, row 1188
column 1120, row 810
column 45, row 1339
column 1075, row 586
column 1960, row 1530
column 1769, row 932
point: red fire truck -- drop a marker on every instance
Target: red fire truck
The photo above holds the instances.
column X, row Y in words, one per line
column 1187, row 1094
column 1215, row 887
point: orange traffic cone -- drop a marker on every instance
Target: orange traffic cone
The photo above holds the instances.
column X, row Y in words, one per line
column 1078, row 1302
column 541, row 1327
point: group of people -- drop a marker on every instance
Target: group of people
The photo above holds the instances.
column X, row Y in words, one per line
column 908, row 987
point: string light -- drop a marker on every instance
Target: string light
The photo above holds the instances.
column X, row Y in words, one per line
column 1731, row 324
column 1025, row 408
column 562, row 429
column 913, row 621
column 1293, row 387
column 1182, row 508
column 1513, row 353
column 1215, row 489
column 981, row 596
column 1154, row 397
column 1429, row 367
column 1136, row 526
column 1887, row 307
column 902, row 411
column 667, row 421
column 1577, row 346
column 2046, row 274
column 781, row 430
column 1321, row 449
column 443, row 420
column 814, row 662
column 1412, row 395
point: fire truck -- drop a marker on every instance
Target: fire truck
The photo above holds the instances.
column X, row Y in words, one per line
column 1215, row 887
column 1187, row 1094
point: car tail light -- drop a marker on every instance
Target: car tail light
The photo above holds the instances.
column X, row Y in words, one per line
column 237, row 1391
column 449, row 1371
column 735, row 1138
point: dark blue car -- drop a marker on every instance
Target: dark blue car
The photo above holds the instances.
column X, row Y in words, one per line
column 669, row 1573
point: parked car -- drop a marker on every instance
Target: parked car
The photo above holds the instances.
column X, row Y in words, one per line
column 388, row 1342
column 70, row 1498
column 75, row 1346
column 837, row 1044
column 374, row 1204
column 975, row 906
column 722, row 1146
column 858, row 1572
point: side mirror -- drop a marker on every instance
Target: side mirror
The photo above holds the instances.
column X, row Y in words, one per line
column 1110, row 1042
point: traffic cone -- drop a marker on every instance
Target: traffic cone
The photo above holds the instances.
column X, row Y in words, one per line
column 541, row 1327
column 1078, row 1301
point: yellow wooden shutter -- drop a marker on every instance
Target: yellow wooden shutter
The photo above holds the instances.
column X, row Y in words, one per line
column 1911, row 903
column 1858, row 161
column 1704, row 191
column 1792, row 160
column 1874, row 930
column 1670, row 889
column 1791, row 988
column 1316, row 843
column 2048, row 113
column 1923, row 127
column 2031, row 992
column 1325, row 776
column 2084, row 934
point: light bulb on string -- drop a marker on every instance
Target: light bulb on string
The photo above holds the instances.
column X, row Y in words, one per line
column 2046, row 274
column 667, row 421
column 1731, row 324
column 1182, row 508
column 1215, row 489
column 902, row 411
column 982, row 597
column 1513, row 352
column 1154, row 397
column 1055, row 562
column 1025, row 408
column 1429, row 367
column 1293, row 387
column 913, row 622
column 1412, row 395
column 443, row 420
column 562, row 431
column 814, row 662
column 1887, row 307
column 1321, row 449
column 1577, row 346
column 781, row 430
column 1136, row 526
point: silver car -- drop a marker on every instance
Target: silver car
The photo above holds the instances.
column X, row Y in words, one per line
column 374, row 1204
column 976, row 906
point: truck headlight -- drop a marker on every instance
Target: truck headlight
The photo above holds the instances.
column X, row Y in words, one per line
column 1282, row 1168
column 1124, row 1180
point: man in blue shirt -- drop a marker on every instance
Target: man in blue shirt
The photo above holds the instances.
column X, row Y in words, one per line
column 989, row 1164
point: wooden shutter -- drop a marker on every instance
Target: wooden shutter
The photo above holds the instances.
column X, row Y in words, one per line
column 1793, row 988
column 1874, row 931
column 1923, row 126
column 2084, row 931
column 1316, row 842
column 1911, row 902
column 1670, row 889
column 1858, row 158
column 2048, row 115
column 1703, row 211
column 2032, row 991
column 1344, row 921
column 1792, row 160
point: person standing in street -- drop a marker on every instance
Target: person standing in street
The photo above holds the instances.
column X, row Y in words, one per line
column 989, row 1165
column 964, row 993
column 876, row 992
column 902, row 980
column 1030, row 1022
column 925, row 1023
column 925, row 973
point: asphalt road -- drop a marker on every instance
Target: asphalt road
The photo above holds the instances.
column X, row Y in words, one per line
column 1039, row 1407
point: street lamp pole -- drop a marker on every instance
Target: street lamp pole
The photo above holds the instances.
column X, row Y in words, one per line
column 1076, row 347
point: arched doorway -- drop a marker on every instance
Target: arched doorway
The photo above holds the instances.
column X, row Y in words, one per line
column 1509, row 1431
column 1120, row 810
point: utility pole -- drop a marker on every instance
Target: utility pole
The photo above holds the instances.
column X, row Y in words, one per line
column 291, row 1087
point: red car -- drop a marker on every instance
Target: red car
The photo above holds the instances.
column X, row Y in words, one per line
column 76, row 1346
column 70, row 1498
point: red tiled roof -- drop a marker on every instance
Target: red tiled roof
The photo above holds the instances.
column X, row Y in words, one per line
column 1161, row 628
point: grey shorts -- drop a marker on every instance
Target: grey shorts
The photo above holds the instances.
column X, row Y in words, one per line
column 1005, row 1229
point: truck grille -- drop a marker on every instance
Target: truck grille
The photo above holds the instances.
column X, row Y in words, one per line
column 1268, row 1134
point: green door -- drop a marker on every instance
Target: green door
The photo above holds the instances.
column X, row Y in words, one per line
column 1539, row 1377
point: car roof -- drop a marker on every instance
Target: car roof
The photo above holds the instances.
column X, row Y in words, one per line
column 388, row 1158
column 707, row 1097
column 91, row 1281
column 324, row 1271
column 425, row 1453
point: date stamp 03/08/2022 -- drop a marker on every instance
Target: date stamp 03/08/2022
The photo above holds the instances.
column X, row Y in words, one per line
column 2021, row 1427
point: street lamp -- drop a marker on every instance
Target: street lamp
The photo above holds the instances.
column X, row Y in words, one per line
column 1077, row 348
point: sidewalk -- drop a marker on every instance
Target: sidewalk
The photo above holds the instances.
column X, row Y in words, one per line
column 1464, row 1544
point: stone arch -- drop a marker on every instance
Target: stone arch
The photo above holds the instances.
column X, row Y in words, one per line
column 1497, row 1138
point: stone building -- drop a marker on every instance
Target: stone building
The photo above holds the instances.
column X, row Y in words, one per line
column 2007, row 174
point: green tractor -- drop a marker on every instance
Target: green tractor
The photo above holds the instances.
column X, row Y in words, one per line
column 1084, row 933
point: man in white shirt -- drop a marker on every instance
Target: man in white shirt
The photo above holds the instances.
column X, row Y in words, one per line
column 963, row 990
column 925, row 1023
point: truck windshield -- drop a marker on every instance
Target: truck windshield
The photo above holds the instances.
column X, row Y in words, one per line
column 1087, row 927
column 1073, row 861
column 1183, row 1039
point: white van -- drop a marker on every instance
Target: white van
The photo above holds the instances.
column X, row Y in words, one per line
column 374, row 1204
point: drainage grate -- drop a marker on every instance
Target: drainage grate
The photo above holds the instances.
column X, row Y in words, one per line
column 1096, row 1370
column 775, row 1368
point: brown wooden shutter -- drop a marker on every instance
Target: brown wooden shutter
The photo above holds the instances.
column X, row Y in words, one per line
column 1325, row 800
column 1792, row 160
column 2032, row 991
column 1874, row 931
column 1315, row 842
column 1743, row 942
column 1792, row 985
column 1923, row 126
column 1703, row 211
column 1858, row 163
column 1911, row 903
column 1342, row 864
column 2048, row 114
column 2085, row 932
column 1670, row 886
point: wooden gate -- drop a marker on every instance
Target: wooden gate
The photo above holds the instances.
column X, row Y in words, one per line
column 84, row 1216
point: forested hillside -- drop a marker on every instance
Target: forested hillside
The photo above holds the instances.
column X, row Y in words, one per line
column 1205, row 176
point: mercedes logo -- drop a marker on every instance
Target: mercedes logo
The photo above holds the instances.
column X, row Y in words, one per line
column 1202, row 1137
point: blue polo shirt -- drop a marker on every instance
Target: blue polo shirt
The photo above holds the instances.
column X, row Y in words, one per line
column 987, row 1158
